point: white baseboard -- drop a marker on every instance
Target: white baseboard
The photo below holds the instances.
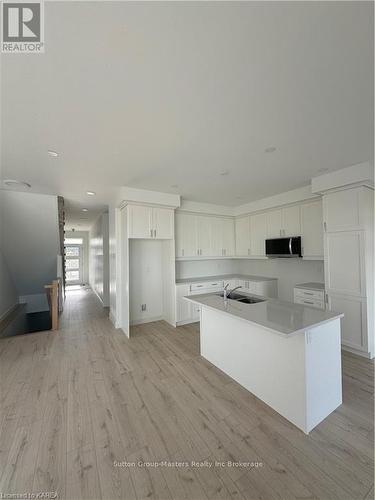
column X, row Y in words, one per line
column 112, row 319
column 366, row 355
column 186, row 322
column 145, row 320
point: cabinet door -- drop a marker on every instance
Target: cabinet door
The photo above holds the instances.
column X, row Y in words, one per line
column 186, row 235
column 274, row 224
column 342, row 210
column 140, row 219
column 163, row 223
column 217, row 237
column 204, row 235
column 353, row 324
column 344, row 258
column 291, row 225
column 312, row 229
column 258, row 229
column 242, row 231
column 184, row 312
column 228, row 237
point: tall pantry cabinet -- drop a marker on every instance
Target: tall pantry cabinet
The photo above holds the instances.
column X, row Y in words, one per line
column 348, row 264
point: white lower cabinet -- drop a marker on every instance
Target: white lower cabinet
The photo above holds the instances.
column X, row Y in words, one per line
column 309, row 297
column 354, row 322
column 187, row 312
column 183, row 308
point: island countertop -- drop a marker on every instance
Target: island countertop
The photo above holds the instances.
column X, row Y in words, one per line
column 181, row 281
column 278, row 316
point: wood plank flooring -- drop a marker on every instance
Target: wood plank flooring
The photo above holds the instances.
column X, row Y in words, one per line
column 77, row 401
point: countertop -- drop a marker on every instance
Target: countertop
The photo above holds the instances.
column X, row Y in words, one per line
column 310, row 286
column 278, row 316
column 223, row 277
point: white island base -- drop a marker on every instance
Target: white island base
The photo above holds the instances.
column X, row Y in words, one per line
column 299, row 376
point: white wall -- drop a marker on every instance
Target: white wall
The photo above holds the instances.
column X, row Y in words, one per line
column 30, row 240
column 288, row 271
column 112, row 262
column 145, row 279
column 99, row 258
column 85, row 254
column 197, row 268
column 8, row 292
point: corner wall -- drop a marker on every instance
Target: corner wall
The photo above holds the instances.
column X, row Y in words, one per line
column 99, row 258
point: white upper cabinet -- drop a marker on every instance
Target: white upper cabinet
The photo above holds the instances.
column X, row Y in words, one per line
column 228, row 237
column 186, row 235
column 163, row 222
column 312, row 229
column 291, row 221
column 217, row 236
column 150, row 222
column 284, row 222
column 204, row 235
column 258, row 231
column 342, row 210
column 140, row 221
column 274, row 224
column 242, row 229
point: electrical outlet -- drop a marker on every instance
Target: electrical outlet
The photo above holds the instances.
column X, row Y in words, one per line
column 143, row 307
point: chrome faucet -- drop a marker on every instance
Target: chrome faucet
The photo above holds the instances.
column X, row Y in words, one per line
column 226, row 293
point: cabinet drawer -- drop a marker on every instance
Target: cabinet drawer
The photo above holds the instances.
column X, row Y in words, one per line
column 206, row 285
column 309, row 294
column 319, row 304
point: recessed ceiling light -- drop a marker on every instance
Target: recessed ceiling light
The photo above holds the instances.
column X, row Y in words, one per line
column 53, row 154
column 13, row 182
column 91, row 193
column 85, row 209
column 270, row 149
column 225, row 172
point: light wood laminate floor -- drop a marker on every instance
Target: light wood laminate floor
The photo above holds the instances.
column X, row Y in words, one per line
column 77, row 401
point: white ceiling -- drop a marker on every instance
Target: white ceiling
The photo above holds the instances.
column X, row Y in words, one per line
column 153, row 95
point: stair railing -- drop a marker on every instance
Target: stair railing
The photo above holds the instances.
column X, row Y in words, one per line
column 52, row 292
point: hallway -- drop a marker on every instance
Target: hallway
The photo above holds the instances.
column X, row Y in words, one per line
column 79, row 403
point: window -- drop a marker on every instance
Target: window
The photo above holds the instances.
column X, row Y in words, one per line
column 73, row 261
column 73, row 241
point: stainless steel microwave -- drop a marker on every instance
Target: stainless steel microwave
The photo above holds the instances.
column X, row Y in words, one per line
column 284, row 247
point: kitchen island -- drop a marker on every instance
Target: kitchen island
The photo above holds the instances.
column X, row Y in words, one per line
column 288, row 355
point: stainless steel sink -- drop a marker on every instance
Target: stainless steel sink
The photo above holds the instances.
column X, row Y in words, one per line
column 245, row 299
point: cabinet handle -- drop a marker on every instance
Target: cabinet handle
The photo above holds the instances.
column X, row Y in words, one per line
column 248, row 251
column 154, row 233
column 182, row 252
column 325, row 226
column 151, row 233
column 308, row 302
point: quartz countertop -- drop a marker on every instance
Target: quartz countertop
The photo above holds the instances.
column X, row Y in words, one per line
column 278, row 316
column 202, row 279
column 310, row 286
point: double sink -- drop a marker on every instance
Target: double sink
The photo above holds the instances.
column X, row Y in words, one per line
column 244, row 299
